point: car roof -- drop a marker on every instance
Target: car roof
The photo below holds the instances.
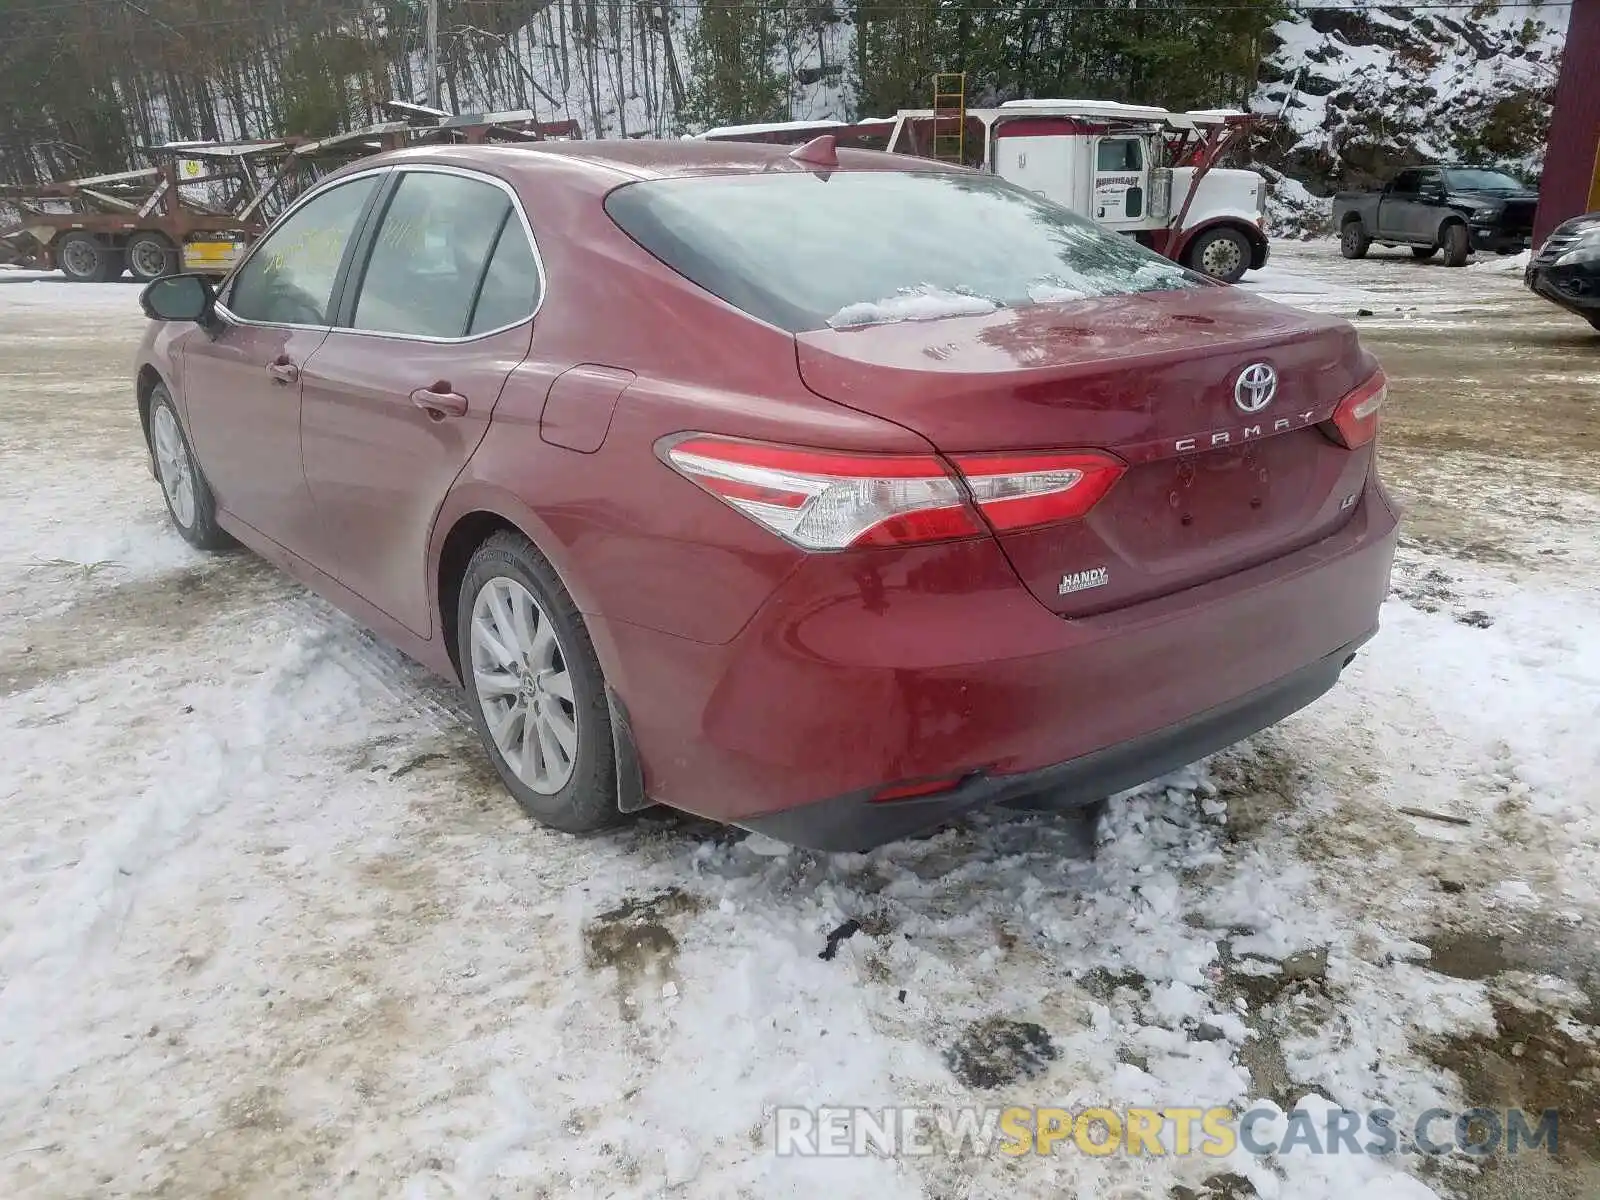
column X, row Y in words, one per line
column 655, row 158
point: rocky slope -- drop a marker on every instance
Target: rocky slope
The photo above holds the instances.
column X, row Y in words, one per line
column 1362, row 91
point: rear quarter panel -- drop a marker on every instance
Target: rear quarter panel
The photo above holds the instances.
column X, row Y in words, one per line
column 635, row 541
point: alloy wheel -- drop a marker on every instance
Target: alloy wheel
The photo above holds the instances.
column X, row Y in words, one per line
column 173, row 466
column 523, row 686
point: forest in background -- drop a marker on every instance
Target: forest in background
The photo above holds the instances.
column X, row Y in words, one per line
column 85, row 83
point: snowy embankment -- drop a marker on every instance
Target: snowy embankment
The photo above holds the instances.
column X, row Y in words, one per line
column 1359, row 91
column 269, row 927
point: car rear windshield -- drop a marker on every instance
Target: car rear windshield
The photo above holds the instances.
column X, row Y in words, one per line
column 803, row 250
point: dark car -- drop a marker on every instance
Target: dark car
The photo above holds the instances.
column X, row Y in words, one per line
column 828, row 497
column 1566, row 271
column 1455, row 208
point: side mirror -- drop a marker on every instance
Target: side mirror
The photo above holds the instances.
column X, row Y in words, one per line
column 179, row 298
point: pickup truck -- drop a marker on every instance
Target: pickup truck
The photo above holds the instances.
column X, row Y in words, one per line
column 1455, row 208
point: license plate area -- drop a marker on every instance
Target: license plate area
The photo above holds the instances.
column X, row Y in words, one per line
column 1229, row 503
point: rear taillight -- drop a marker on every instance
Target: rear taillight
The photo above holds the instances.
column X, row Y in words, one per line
column 1017, row 491
column 1355, row 421
column 822, row 500
column 827, row 500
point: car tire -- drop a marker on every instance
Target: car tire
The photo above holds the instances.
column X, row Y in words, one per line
column 1220, row 253
column 521, row 643
column 189, row 501
column 1457, row 244
column 150, row 256
column 84, row 258
column 1423, row 253
column 1353, row 240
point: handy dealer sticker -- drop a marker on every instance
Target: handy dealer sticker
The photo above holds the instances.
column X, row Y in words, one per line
column 1082, row 581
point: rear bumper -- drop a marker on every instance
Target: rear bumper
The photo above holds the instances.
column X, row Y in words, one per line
column 871, row 670
column 858, row 823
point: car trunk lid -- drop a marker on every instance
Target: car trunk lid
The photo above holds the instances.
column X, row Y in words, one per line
column 1153, row 378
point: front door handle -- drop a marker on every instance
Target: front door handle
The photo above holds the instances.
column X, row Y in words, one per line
column 439, row 401
column 283, row 370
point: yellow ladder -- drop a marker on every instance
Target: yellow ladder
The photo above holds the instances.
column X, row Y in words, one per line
column 950, row 116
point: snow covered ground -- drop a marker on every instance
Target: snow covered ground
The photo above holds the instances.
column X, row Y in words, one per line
column 268, row 927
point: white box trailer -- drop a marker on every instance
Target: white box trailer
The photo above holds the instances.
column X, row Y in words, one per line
column 1139, row 170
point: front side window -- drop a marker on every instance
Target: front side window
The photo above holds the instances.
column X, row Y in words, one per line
column 429, row 255
column 804, row 250
column 1119, row 154
column 289, row 279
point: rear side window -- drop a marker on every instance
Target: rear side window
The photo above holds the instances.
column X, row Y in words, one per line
column 803, row 250
column 429, row 255
column 510, row 290
column 1407, row 182
column 289, row 279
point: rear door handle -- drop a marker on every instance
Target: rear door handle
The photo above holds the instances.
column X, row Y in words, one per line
column 283, row 370
column 440, row 402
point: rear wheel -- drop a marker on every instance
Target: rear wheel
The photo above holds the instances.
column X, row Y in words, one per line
column 150, row 256
column 1353, row 240
column 1220, row 253
column 1457, row 245
column 1423, row 253
column 535, row 687
column 84, row 258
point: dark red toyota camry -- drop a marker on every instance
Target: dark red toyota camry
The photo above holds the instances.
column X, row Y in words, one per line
column 826, row 495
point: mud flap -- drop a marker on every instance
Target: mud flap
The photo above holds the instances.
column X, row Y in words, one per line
column 630, row 775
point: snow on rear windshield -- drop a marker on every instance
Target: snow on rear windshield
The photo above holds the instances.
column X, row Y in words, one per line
column 914, row 304
column 806, row 250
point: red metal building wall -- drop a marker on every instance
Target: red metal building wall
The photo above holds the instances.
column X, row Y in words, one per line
column 1571, row 181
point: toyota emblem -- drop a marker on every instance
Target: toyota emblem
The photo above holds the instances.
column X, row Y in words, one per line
column 1256, row 386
